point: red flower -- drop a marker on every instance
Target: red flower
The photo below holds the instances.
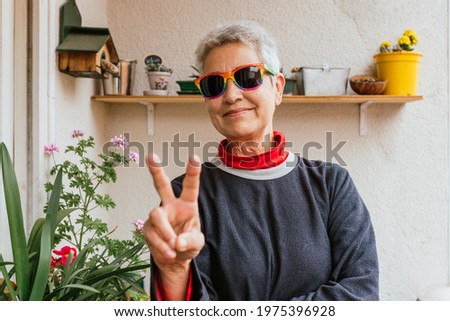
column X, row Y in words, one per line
column 54, row 262
column 65, row 252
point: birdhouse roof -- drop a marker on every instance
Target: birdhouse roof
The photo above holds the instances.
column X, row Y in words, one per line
column 90, row 40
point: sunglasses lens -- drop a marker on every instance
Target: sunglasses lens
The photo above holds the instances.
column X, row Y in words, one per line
column 248, row 77
column 211, row 86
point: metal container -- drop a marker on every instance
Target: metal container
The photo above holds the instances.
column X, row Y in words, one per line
column 110, row 85
column 322, row 81
column 127, row 72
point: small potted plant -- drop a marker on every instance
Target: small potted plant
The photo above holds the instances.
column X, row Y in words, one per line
column 188, row 86
column 158, row 76
column 399, row 65
column 290, row 82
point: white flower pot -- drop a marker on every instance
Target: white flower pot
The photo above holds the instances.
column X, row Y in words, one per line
column 155, row 92
column 158, row 81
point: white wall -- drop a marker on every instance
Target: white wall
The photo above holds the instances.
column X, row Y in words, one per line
column 400, row 167
column 73, row 107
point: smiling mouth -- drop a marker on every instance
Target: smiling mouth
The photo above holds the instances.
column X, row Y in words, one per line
column 237, row 112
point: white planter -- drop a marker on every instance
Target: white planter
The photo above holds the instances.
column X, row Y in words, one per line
column 158, row 80
column 155, row 92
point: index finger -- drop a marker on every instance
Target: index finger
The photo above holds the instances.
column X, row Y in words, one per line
column 160, row 179
column 191, row 181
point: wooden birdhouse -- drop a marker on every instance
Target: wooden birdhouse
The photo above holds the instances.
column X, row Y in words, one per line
column 81, row 51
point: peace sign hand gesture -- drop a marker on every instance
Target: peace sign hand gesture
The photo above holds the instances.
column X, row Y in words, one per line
column 172, row 231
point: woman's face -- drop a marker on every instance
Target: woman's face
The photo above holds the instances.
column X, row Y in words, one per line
column 242, row 115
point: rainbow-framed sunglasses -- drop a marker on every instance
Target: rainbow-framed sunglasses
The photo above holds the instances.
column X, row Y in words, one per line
column 246, row 77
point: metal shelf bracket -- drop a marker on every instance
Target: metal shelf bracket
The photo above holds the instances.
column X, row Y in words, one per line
column 150, row 117
column 363, row 117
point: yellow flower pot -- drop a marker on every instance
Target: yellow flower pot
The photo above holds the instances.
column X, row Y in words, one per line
column 400, row 69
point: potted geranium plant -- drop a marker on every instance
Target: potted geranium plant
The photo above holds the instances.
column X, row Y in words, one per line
column 70, row 254
column 158, row 76
column 399, row 65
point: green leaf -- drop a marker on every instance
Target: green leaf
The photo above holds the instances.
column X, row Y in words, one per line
column 71, row 291
column 35, row 236
column 33, row 245
column 81, row 286
column 72, row 274
column 16, row 226
column 8, row 283
column 132, row 252
column 47, row 236
column 108, row 274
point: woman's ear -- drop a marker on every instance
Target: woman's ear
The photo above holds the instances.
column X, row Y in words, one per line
column 279, row 87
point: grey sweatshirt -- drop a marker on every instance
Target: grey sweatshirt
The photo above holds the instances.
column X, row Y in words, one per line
column 297, row 231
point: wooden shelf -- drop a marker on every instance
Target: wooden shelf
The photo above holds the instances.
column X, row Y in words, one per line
column 363, row 101
column 193, row 99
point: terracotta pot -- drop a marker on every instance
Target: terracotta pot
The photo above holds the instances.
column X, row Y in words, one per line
column 6, row 290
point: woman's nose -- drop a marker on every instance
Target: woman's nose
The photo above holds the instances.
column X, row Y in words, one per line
column 232, row 92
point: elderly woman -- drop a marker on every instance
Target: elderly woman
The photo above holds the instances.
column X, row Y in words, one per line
column 258, row 222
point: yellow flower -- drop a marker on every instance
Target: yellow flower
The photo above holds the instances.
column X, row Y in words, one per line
column 406, row 42
column 412, row 36
column 385, row 46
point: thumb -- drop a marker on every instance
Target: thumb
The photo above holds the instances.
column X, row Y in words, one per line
column 190, row 241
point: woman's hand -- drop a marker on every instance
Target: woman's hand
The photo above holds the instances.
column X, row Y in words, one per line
column 173, row 231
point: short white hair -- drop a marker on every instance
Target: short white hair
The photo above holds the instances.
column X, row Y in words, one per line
column 246, row 32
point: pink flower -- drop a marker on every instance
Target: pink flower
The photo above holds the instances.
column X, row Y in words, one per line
column 138, row 225
column 77, row 133
column 49, row 149
column 64, row 253
column 119, row 142
column 134, row 157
